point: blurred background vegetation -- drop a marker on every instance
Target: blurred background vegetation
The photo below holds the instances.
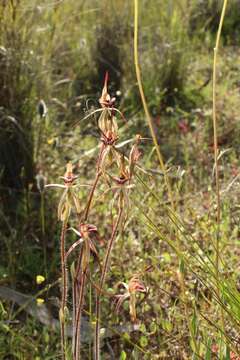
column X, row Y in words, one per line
column 59, row 51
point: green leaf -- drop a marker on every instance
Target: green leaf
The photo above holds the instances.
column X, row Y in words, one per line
column 3, row 312
column 209, row 350
column 153, row 327
column 227, row 356
column 194, row 324
column 166, row 257
column 181, row 266
column 143, row 341
column 123, row 355
column 142, row 328
column 167, row 325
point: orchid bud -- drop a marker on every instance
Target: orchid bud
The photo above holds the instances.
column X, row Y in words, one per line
column 105, row 98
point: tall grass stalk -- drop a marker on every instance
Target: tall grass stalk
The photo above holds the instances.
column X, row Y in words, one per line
column 145, row 106
column 155, row 141
column 215, row 135
column 42, row 213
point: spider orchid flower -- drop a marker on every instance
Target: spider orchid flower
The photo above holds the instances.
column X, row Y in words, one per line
column 69, row 198
column 109, row 136
column 134, row 286
column 84, row 233
column 126, row 172
column 123, row 183
column 107, row 104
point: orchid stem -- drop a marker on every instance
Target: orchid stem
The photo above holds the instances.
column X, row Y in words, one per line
column 102, row 280
column 64, row 289
column 77, row 336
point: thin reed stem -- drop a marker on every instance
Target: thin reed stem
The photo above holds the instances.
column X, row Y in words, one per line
column 102, row 281
column 64, row 289
column 145, row 106
column 42, row 213
column 215, row 136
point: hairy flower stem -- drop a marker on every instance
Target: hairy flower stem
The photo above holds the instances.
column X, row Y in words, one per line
column 80, row 290
column 64, row 289
column 99, row 173
column 74, row 302
column 77, row 335
column 86, row 213
column 102, row 280
column 76, row 296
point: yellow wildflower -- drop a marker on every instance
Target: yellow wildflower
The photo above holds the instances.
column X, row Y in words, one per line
column 40, row 279
column 39, row 301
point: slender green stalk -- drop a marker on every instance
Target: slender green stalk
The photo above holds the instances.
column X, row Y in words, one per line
column 102, row 281
column 149, row 120
column 42, row 213
column 145, row 106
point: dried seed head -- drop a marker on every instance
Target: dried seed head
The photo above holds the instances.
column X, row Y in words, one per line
column 42, row 109
column 41, row 182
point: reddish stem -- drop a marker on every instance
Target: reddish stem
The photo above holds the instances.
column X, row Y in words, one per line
column 64, row 288
column 102, row 280
column 91, row 196
column 77, row 334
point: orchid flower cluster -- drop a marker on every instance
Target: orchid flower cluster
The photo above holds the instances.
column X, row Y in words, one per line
column 117, row 171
